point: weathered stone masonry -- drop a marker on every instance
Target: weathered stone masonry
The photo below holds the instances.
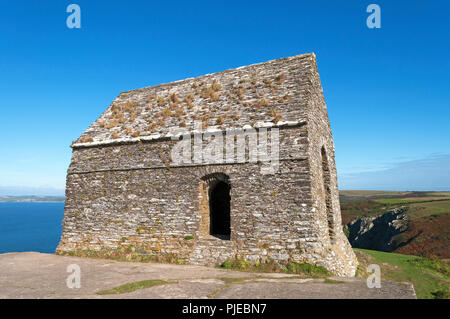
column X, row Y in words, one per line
column 123, row 191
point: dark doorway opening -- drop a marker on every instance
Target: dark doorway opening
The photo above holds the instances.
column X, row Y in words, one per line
column 219, row 208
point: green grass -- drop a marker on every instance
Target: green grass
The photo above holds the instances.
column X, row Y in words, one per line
column 270, row 266
column 234, row 280
column 419, row 208
column 418, row 204
column 351, row 196
column 438, row 194
column 306, row 269
column 437, row 208
column 366, row 208
column 362, row 193
column 430, row 277
column 401, row 201
column 124, row 253
column 332, row 281
column 133, row 286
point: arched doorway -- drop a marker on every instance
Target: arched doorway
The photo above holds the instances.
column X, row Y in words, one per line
column 219, row 210
column 214, row 206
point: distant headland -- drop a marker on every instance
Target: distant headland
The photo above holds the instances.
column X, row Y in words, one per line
column 31, row 199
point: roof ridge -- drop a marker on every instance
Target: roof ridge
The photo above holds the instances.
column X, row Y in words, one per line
column 298, row 56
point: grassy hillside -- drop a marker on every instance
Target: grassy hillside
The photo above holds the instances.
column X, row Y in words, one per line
column 428, row 231
column 430, row 277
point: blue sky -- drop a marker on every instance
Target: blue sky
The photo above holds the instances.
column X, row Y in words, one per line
column 387, row 90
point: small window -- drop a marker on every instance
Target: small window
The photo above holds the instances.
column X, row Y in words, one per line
column 327, row 190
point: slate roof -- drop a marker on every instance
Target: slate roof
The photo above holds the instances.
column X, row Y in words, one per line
column 273, row 93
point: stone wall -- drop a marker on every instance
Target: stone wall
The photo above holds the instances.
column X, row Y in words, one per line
column 155, row 207
column 126, row 195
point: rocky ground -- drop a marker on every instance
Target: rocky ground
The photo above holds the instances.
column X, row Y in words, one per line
column 36, row 275
column 378, row 232
column 410, row 223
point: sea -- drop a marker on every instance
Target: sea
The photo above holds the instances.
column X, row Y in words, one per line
column 27, row 226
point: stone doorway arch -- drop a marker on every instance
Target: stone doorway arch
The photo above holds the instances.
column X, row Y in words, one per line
column 215, row 200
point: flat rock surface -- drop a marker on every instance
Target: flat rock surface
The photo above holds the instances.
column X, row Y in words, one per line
column 36, row 275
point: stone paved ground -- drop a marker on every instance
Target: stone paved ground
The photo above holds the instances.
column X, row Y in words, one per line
column 36, row 275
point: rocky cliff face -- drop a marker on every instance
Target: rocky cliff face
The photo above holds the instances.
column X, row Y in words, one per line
column 379, row 232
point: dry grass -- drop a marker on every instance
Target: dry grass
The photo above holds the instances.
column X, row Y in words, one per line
column 133, row 286
column 214, row 97
column 86, row 139
column 161, row 101
column 152, row 128
column 211, row 92
column 220, row 120
column 239, row 91
column 111, row 124
column 267, row 83
column 151, row 98
column 161, row 122
column 276, row 116
column 216, row 86
column 279, row 79
column 121, row 118
column 173, row 98
column 189, row 100
column 165, row 113
column 166, row 105
column 189, row 104
column 261, row 103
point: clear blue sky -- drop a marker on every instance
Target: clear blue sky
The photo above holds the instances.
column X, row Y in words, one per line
column 387, row 90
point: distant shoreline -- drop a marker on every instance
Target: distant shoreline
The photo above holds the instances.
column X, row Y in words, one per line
column 31, row 199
